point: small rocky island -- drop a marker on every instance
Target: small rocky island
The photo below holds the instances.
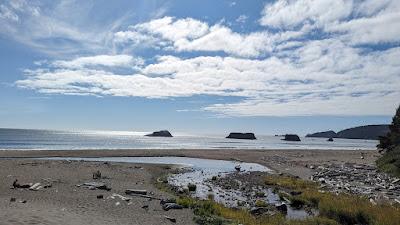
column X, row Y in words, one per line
column 161, row 133
column 291, row 137
column 248, row 136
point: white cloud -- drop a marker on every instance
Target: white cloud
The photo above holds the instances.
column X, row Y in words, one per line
column 100, row 60
column 374, row 30
column 193, row 35
column 324, row 77
column 291, row 13
column 360, row 22
column 310, row 63
column 242, row 19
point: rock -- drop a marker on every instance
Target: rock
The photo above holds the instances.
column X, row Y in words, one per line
column 123, row 198
column 35, row 187
column 135, row 191
column 325, row 134
column 161, row 133
column 238, row 168
column 97, row 175
column 282, row 208
column 248, row 136
column 363, row 132
column 165, row 201
column 192, row 187
column 145, row 207
column 330, row 139
column 22, row 201
column 170, row 219
column 168, row 206
column 100, row 196
column 291, row 137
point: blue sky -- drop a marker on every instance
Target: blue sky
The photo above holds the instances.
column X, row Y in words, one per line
column 199, row 66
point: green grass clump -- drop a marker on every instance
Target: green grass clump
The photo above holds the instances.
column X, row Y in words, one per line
column 289, row 182
column 261, row 203
column 343, row 208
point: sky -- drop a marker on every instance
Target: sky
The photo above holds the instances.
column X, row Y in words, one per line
column 270, row 67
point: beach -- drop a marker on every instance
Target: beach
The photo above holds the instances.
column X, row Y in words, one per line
column 66, row 203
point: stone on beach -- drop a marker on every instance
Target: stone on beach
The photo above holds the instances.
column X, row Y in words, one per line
column 97, row 175
column 35, row 187
column 168, row 206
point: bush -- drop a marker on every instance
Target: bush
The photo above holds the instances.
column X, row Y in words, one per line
column 390, row 161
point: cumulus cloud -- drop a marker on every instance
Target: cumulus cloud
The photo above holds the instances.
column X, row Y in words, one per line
column 323, row 74
column 194, row 35
column 291, row 13
column 313, row 57
column 100, row 60
column 360, row 22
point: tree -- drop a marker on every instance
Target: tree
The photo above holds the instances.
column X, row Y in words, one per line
column 390, row 160
column 392, row 139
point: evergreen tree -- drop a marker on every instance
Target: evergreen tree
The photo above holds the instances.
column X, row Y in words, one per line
column 392, row 139
column 390, row 160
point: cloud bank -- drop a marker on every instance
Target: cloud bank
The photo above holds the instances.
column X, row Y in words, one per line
column 321, row 57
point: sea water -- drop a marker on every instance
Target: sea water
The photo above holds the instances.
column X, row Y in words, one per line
column 26, row 139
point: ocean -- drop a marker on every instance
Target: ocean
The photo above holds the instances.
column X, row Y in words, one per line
column 27, row 139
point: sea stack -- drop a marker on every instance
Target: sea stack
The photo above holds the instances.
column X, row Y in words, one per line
column 330, row 139
column 161, row 133
column 291, row 137
column 248, row 136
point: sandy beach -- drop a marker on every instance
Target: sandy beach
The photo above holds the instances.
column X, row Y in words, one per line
column 65, row 203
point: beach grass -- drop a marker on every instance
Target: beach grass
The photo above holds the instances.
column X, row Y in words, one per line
column 333, row 209
column 343, row 208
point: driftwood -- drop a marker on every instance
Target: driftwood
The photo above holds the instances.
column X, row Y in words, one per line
column 145, row 196
column 135, row 191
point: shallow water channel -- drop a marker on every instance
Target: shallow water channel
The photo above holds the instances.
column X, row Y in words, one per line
column 200, row 172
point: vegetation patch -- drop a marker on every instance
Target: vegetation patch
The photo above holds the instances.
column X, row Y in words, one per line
column 390, row 144
column 343, row 208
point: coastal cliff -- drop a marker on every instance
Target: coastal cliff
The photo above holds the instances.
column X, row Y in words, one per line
column 372, row 132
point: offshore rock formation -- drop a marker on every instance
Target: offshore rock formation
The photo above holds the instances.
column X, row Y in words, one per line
column 248, row 136
column 372, row 132
column 324, row 134
column 161, row 133
column 291, row 137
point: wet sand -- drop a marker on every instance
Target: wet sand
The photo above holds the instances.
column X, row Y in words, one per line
column 65, row 203
column 285, row 161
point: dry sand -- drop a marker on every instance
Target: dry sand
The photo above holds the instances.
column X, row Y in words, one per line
column 65, row 203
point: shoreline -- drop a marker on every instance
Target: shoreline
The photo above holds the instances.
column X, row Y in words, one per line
column 292, row 161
